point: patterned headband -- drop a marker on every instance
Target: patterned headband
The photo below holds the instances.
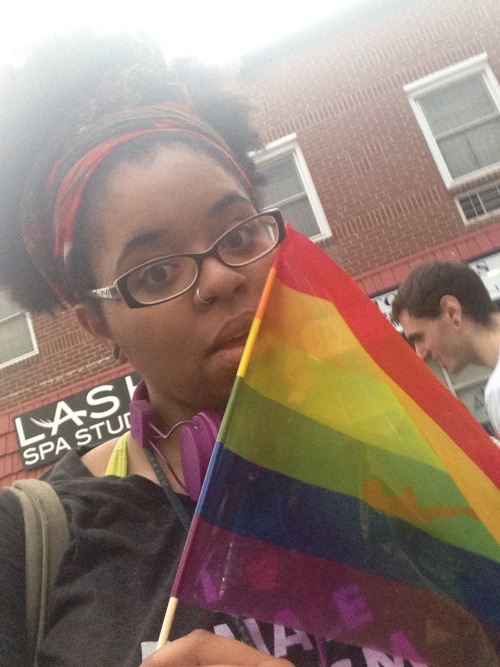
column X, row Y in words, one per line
column 72, row 173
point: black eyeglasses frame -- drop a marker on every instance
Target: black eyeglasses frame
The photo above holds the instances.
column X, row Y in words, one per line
column 118, row 290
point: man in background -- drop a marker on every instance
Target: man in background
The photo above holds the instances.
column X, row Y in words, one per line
column 448, row 315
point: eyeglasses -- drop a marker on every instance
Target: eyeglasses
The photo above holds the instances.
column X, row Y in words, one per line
column 166, row 278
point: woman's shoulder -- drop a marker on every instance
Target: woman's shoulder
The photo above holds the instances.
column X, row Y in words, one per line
column 97, row 459
column 81, row 462
column 96, row 467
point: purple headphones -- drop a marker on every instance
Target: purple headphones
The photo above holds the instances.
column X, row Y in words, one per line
column 197, row 438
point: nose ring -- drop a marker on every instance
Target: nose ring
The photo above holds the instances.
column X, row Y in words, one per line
column 206, row 302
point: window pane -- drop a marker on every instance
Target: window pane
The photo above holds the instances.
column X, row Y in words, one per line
column 282, row 180
column 15, row 338
column 7, row 307
column 437, row 370
column 458, row 156
column 473, row 398
column 300, row 214
column 469, row 386
column 456, row 105
column 472, row 149
column 485, row 142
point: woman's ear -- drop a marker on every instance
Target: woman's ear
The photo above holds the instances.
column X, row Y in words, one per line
column 93, row 322
column 118, row 355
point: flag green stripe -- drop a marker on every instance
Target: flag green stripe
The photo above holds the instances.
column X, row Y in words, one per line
column 437, row 505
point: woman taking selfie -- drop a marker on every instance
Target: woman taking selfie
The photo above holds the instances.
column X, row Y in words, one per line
column 127, row 194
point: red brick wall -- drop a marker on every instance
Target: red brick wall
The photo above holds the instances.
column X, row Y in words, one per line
column 340, row 89
column 469, row 246
column 67, row 354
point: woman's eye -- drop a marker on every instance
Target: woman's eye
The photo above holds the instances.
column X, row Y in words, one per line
column 157, row 276
column 238, row 238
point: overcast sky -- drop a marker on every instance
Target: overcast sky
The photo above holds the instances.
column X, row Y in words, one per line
column 214, row 30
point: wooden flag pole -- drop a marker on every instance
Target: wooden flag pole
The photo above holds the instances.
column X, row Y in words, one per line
column 167, row 622
column 242, row 368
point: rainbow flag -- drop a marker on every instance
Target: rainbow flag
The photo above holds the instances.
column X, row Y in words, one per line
column 350, row 495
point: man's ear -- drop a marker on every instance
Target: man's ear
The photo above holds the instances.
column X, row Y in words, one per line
column 451, row 309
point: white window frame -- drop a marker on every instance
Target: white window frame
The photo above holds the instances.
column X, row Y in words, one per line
column 483, row 216
column 290, row 146
column 31, row 330
column 475, row 65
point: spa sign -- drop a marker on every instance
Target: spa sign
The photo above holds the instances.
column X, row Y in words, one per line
column 87, row 418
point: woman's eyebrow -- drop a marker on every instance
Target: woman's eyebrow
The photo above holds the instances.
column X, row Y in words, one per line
column 145, row 238
column 142, row 239
column 233, row 197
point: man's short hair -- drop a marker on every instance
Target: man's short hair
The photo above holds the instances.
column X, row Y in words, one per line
column 427, row 283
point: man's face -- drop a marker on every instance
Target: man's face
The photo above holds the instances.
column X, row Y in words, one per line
column 438, row 339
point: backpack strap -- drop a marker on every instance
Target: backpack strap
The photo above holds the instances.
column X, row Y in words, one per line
column 47, row 537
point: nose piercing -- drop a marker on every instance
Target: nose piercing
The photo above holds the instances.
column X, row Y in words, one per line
column 206, row 302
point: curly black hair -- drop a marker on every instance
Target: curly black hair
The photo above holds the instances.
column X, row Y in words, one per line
column 66, row 83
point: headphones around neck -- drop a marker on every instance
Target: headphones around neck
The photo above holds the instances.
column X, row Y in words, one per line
column 197, row 437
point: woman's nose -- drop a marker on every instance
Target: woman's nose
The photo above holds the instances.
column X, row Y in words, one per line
column 217, row 280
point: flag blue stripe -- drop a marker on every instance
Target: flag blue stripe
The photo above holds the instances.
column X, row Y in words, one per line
column 271, row 507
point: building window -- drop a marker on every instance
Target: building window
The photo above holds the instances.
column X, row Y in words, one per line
column 458, row 109
column 17, row 338
column 480, row 203
column 289, row 186
column 468, row 386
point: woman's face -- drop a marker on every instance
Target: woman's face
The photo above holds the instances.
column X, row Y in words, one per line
column 187, row 351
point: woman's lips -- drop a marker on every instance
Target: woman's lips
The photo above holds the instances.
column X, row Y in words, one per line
column 229, row 343
column 231, row 351
column 232, row 333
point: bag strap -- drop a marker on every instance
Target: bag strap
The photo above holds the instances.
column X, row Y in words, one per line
column 47, row 537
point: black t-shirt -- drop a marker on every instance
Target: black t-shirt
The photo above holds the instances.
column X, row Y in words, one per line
column 109, row 599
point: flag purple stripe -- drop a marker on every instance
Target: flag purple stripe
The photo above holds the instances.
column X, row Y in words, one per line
column 252, row 578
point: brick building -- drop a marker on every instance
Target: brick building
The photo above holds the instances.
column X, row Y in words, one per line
column 391, row 114
column 382, row 133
